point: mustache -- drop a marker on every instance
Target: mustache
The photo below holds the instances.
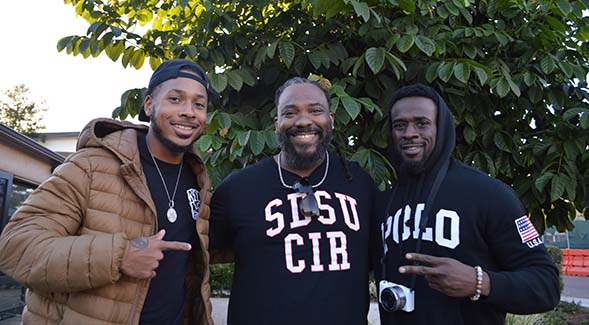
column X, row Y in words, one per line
column 304, row 130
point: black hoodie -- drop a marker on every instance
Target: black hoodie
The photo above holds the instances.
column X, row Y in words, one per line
column 474, row 219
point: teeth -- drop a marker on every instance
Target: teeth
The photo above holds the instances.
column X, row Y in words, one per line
column 304, row 135
column 184, row 127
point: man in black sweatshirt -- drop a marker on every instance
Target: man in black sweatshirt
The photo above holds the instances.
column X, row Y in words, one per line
column 456, row 240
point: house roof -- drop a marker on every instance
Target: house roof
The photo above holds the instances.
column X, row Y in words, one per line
column 26, row 144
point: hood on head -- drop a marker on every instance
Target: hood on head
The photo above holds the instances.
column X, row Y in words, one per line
column 445, row 138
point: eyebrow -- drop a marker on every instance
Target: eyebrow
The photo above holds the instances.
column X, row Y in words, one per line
column 184, row 92
column 311, row 105
column 418, row 118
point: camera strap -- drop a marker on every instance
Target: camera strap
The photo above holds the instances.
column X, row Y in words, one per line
column 422, row 222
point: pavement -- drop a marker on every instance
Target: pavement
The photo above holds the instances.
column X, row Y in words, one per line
column 576, row 289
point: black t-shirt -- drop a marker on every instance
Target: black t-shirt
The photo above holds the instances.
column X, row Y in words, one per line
column 290, row 269
column 164, row 303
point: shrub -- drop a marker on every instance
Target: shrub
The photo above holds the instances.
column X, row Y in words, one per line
column 556, row 255
column 221, row 279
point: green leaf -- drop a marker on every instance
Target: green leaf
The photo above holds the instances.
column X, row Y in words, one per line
column 205, row 142
column 256, row 142
column 566, row 68
column 452, row 9
column 375, row 58
column 582, row 34
column 217, row 143
column 351, row 106
column 357, row 65
column 555, row 23
column 462, row 72
column 547, row 64
column 224, row 120
column 270, row 137
column 407, row 5
column 218, row 81
column 529, row 78
column 573, row 112
column 247, row 77
column 243, row 137
column 446, row 70
column 361, row 9
column 287, row 52
column 557, row 187
column 405, row 42
column 396, row 63
column 469, row 134
column 541, row 181
column 314, row 59
column 271, row 50
column 514, row 87
column 503, row 141
column 116, row 50
column 535, row 94
column 62, row 43
column 564, row 6
column 585, row 120
column 481, row 75
column 425, row 44
column 432, row 72
column 234, row 79
column 502, row 87
column 261, row 55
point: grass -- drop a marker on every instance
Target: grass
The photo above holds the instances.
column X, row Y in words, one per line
column 565, row 313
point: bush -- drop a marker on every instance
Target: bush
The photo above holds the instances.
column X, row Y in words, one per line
column 221, row 279
column 556, row 255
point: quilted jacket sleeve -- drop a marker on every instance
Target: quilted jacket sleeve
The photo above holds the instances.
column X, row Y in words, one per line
column 41, row 247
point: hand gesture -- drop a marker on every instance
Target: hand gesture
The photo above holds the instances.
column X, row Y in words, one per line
column 143, row 254
column 446, row 275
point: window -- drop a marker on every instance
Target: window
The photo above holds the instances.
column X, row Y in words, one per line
column 5, row 190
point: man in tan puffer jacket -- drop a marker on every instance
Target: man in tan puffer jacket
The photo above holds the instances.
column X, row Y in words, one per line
column 119, row 233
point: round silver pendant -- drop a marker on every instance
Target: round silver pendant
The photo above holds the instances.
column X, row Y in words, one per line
column 172, row 215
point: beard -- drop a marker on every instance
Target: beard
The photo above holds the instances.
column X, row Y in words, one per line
column 304, row 160
column 173, row 147
column 410, row 167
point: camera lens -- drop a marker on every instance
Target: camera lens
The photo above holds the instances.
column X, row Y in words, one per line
column 393, row 298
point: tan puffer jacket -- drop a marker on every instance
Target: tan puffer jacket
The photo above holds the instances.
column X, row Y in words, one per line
column 67, row 241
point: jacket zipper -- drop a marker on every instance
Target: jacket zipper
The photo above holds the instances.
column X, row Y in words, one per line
column 136, row 300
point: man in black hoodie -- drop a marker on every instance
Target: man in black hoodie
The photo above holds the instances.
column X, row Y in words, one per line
column 455, row 239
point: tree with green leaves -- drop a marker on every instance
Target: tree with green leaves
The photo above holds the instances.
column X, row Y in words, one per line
column 513, row 72
column 19, row 112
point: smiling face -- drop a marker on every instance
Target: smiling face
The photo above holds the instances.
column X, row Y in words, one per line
column 178, row 112
column 414, row 127
column 303, row 124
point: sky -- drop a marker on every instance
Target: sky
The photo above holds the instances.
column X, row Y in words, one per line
column 75, row 90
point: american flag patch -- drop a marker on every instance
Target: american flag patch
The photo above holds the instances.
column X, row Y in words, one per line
column 526, row 229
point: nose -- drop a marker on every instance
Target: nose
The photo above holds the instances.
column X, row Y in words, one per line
column 187, row 111
column 410, row 131
column 303, row 121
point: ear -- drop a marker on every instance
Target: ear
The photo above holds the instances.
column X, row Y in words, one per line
column 275, row 122
column 148, row 105
column 332, row 118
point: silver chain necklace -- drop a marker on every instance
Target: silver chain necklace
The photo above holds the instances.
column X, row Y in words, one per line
column 171, row 213
column 292, row 187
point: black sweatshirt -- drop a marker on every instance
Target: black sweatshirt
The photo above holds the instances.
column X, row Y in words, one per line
column 474, row 219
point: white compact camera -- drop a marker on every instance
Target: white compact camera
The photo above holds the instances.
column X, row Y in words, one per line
column 393, row 297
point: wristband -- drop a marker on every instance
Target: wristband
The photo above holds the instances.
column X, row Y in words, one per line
column 479, row 286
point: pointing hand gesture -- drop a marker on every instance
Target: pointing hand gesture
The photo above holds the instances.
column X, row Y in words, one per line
column 143, row 255
column 446, row 275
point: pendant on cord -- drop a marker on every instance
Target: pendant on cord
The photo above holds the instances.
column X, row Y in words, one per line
column 172, row 215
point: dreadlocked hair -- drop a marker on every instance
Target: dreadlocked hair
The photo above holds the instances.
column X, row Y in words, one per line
column 345, row 164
